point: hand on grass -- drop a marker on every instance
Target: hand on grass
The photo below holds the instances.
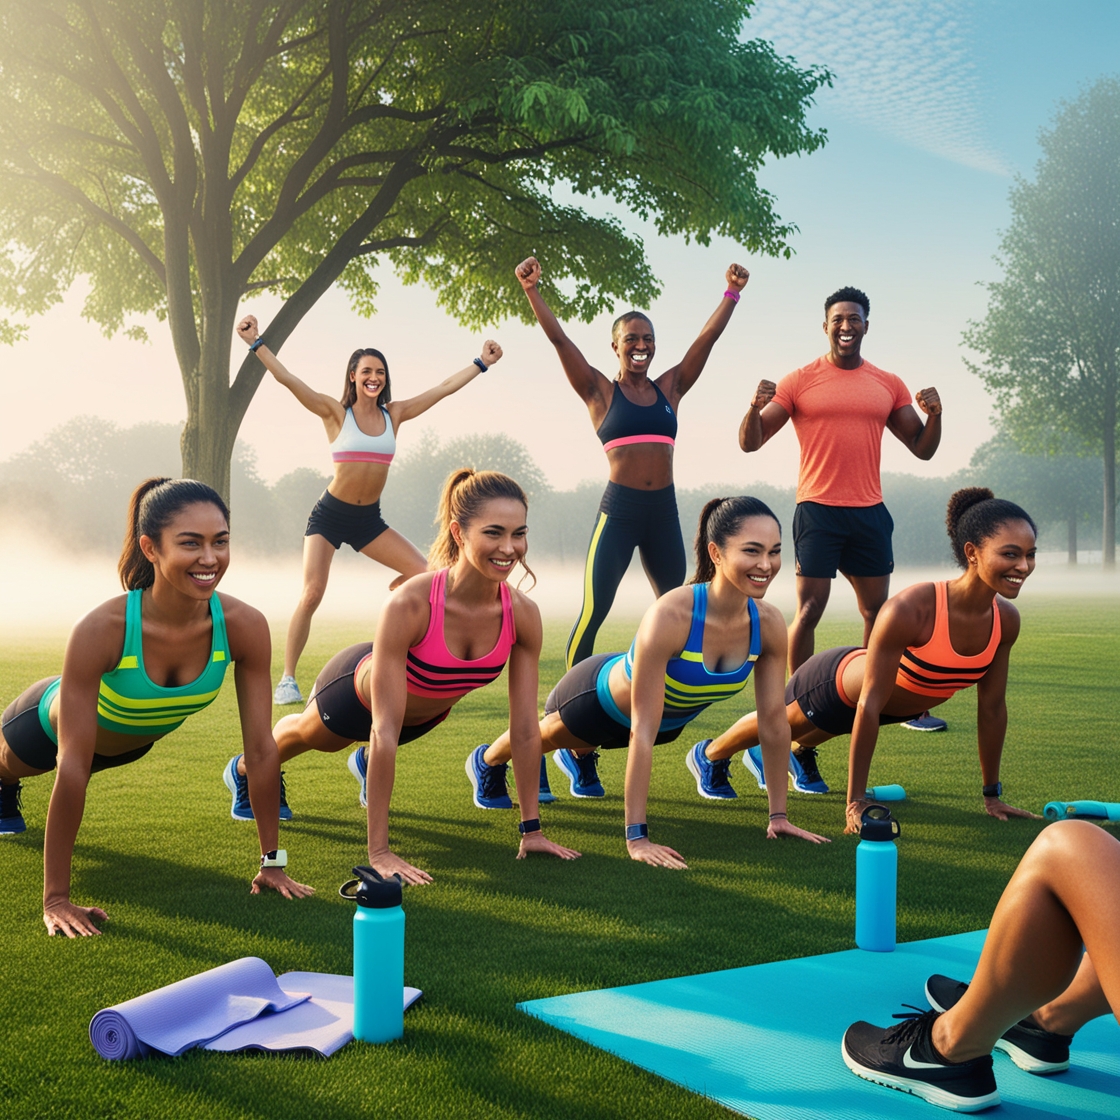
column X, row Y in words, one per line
column 276, row 878
column 659, row 855
column 781, row 826
column 994, row 807
column 853, row 815
column 385, row 863
column 537, row 842
column 74, row 921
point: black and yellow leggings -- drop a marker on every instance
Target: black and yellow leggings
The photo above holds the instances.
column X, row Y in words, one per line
column 643, row 519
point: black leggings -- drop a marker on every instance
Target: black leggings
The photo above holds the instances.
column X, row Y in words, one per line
column 643, row 519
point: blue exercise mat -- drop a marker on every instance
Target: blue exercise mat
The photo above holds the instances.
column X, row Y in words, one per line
column 765, row 1041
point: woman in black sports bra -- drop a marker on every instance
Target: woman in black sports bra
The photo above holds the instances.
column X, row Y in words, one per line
column 636, row 420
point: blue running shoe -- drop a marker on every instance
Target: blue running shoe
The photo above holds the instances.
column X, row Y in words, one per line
column 545, row 795
column 488, row 782
column 285, row 811
column 803, row 773
column 925, row 722
column 238, row 785
column 11, row 818
column 356, row 764
column 712, row 779
column 583, row 777
column 752, row 760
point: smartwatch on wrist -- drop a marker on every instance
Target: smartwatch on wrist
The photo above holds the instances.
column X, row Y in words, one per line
column 256, row 345
column 525, row 827
column 993, row 790
column 637, row 832
column 278, row 857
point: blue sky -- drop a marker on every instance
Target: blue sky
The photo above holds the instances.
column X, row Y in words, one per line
column 936, row 107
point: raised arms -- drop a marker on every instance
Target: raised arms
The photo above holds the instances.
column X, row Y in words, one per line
column 404, row 410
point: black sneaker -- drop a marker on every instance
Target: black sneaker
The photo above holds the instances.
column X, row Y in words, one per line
column 1027, row 1044
column 904, row 1057
column 11, row 817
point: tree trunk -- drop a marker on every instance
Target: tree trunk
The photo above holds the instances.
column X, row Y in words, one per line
column 1071, row 524
column 207, row 444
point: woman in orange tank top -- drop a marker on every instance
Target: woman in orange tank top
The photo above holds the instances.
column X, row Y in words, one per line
column 929, row 641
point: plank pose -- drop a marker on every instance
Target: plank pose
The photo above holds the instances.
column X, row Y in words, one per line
column 929, row 641
column 1033, row 988
column 135, row 668
column 650, row 694
column 362, row 428
column 636, row 420
column 840, row 405
column 442, row 635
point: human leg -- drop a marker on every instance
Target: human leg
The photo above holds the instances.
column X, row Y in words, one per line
column 871, row 593
column 397, row 552
column 812, row 598
column 661, row 548
column 25, row 751
column 318, row 552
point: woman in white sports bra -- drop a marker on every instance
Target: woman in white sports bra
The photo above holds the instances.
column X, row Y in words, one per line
column 362, row 429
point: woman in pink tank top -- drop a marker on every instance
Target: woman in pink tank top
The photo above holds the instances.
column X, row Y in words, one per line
column 362, row 428
column 441, row 636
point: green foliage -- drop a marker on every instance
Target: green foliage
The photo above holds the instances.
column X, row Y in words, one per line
column 1050, row 342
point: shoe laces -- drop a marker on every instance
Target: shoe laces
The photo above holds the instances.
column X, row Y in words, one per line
column 493, row 781
column 915, row 1022
column 10, row 798
column 283, row 790
column 807, row 756
column 588, row 772
column 719, row 775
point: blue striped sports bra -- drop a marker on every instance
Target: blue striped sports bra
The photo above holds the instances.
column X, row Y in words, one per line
column 129, row 701
column 352, row 445
column 689, row 685
column 626, row 423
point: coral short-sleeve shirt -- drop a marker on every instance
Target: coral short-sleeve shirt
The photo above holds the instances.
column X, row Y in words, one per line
column 839, row 416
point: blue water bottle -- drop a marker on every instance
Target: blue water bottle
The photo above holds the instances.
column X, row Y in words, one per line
column 886, row 793
column 378, row 955
column 876, row 880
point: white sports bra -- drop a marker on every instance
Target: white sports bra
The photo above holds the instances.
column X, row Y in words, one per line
column 353, row 445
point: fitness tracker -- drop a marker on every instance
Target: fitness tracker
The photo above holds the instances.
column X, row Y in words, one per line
column 278, row 857
column 481, row 364
column 994, row 791
column 525, row 827
column 637, row 832
column 256, row 345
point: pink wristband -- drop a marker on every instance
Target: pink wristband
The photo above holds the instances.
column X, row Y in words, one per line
column 731, row 294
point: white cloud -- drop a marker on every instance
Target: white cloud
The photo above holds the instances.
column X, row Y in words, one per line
column 904, row 68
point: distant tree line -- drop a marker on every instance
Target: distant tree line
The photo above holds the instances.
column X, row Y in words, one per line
column 71, row 488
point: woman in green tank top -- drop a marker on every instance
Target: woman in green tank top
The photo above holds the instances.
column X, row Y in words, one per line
column 135, row 668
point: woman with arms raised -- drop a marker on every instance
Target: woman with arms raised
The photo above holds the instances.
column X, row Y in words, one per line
column 362, row 429
column 135, row 669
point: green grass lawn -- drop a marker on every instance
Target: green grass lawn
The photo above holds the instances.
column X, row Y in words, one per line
column 159, row 852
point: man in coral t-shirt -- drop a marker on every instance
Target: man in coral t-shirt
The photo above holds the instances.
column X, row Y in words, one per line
column 840, row 405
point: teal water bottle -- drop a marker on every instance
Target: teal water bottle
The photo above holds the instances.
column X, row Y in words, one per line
column 876, row 880
column 886, row 793
column 378, row 955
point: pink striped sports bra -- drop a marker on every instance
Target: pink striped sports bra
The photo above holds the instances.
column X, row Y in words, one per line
column 352, row 445
column 432, row 670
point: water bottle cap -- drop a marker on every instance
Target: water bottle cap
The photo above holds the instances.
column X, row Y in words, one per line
column 878, row 824
column 369, row 889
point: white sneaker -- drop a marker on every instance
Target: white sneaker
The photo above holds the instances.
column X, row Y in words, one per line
column 287, row 692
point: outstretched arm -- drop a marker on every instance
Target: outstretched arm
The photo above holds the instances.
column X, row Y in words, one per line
column 677, row 381
column 319, row 403
column 763, row 418
column 401, row 411
column 587, row 381
column 906, row 426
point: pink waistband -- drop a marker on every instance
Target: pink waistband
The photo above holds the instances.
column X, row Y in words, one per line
column 625, row 441
column 362, row 457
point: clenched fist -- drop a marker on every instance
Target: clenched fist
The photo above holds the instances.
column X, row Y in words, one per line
column 928, row 401
column 529, row 272
column 763, row 395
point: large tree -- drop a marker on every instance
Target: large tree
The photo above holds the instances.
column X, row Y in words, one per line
column 1051, row 338
column 181, row 154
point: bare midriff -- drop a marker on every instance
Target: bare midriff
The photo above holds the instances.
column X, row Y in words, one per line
column 902, row 702
column 642, row 466
column 359, row 484
column 417, row 709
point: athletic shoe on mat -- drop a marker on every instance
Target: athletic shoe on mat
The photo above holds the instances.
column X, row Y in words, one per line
column 583, row 777
column 1026, row 1043
column 545, row 794
column 287, row 692
column 356, row 764
column 11, row 819
column 752, row 760
column 903, row 1057
column 488, row 782
column 285, row 810
column 712, row 779
column 238, row 785
column 925, row 722
column 803, row 773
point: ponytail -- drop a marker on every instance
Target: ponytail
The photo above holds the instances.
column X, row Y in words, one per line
column 974, row 515
column 463, row 496
column 720, row 519
column 150, row 509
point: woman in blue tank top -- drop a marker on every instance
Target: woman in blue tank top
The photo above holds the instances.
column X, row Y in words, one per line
column 635, row 418
column 696, row 645
column 362, row 428
column 135, row 668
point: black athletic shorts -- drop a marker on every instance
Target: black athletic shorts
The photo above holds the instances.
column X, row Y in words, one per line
column 854, row 539
column 576, row 699
column 340, row 707
column 813, row 686
column 343, row 523
column 34, row 747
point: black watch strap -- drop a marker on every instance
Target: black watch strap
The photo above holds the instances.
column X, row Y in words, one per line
column 995, row 790
column 525, row 827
